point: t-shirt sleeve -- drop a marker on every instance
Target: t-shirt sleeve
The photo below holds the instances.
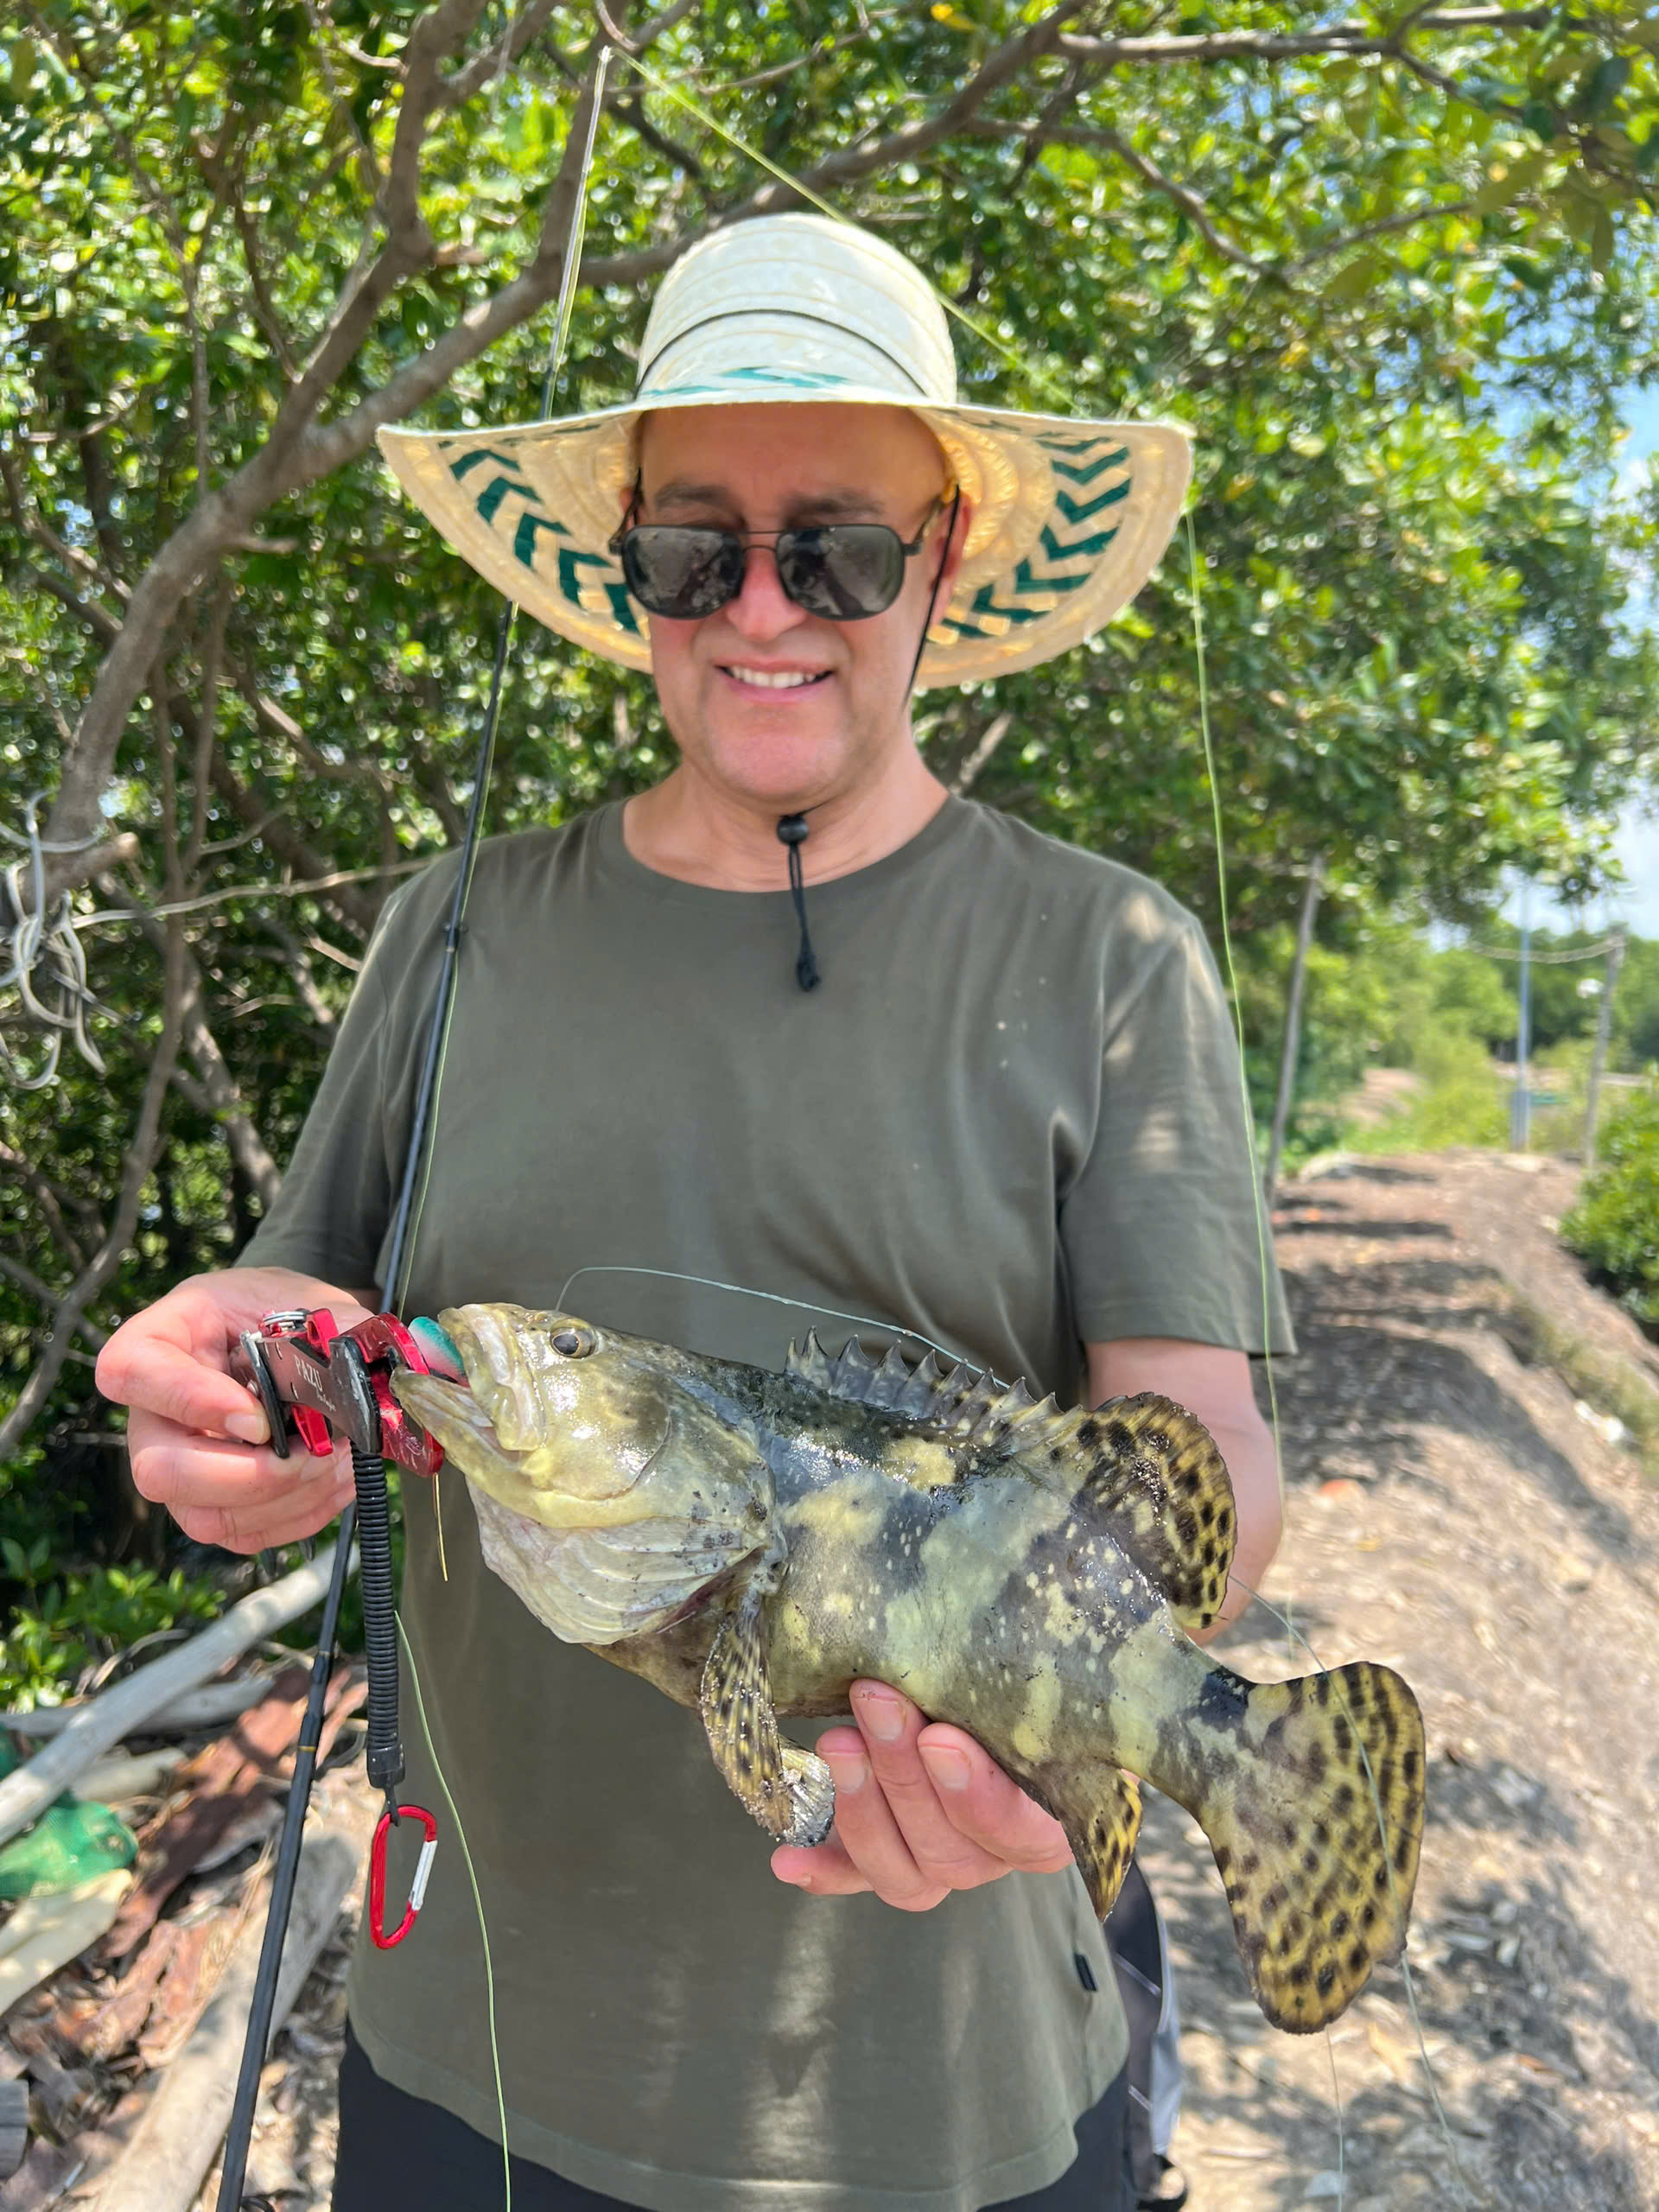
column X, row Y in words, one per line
column 334, row 1210
column 1161, row 1228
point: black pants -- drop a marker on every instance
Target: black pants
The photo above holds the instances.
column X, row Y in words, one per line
column 395, row 2150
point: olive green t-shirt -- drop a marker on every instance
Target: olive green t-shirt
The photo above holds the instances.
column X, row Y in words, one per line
column 1010, row 1120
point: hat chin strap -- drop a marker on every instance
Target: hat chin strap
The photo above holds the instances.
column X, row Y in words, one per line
column 792, row 827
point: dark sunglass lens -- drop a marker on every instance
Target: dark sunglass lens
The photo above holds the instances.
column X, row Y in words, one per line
column 845, row 572
column 684, row 574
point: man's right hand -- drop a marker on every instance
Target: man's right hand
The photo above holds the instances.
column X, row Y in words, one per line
column 198, row 1439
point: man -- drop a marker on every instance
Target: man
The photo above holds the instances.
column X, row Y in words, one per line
column 969, row 1083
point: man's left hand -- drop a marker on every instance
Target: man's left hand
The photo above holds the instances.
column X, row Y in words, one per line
column 921, row 1809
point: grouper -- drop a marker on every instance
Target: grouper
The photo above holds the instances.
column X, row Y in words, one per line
column 753, row 1543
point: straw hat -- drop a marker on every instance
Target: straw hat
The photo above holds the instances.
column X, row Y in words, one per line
column 1070, row 516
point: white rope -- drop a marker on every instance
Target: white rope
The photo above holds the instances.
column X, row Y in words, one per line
column 44, row 960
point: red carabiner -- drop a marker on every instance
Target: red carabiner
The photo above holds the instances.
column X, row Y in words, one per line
column 377, row 1874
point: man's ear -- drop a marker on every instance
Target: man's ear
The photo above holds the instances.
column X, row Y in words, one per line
column 952, row 566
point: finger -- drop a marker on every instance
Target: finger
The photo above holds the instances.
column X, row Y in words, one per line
column 987, row 1807
column 823, row 1869
column 175, row 1467
column 872, row 1832
column 151, row 1371
column 308, row 1510
column 890, row 1726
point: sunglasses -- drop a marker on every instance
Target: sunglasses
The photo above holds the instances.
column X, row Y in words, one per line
column 845, row 571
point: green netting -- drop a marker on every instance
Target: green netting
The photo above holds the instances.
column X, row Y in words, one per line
column 71, row 1843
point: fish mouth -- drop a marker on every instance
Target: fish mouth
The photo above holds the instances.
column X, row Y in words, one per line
column 491, row 1427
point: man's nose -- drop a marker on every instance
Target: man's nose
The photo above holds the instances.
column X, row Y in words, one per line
column 763, row 609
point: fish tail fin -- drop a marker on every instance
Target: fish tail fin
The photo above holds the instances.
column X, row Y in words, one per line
column 1316, row 1826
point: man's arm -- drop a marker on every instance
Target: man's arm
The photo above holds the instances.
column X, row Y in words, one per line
column 1213, row 1384
column 921, row 1808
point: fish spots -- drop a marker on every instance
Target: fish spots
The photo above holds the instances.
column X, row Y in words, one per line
column 1223, row 1698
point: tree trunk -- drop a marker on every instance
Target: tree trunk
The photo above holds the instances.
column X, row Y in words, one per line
column 1599, row 1057
column 1293, row 1027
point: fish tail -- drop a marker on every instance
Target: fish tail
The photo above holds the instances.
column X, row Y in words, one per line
column 1316, row 1826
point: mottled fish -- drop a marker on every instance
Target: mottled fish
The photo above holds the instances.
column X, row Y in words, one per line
column 753, row 1543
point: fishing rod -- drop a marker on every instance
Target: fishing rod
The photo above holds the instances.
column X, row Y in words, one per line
column 335, row 1386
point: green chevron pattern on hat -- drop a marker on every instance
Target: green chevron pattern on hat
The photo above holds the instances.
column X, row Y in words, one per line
column 1070, row 517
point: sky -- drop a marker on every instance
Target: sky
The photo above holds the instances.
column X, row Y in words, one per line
column 1637, row 843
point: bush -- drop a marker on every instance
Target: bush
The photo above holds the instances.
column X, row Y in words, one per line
column 67, row 1624
column 1465, row 1101
column 1615, row 1225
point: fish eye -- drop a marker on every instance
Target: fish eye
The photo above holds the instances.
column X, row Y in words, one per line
column 574, row 1344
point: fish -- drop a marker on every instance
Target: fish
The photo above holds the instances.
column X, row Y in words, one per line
column 752, row 1542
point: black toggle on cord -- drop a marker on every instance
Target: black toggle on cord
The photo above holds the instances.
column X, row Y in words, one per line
column 792, row 831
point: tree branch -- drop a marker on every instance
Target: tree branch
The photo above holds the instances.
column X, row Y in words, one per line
column 46, row 1198
column 139, row 1160
column 26, row 1279
column 298, row 451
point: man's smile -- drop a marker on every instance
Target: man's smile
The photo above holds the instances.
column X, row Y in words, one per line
column 772, row 679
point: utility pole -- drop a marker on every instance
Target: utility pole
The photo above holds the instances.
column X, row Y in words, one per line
column 1604, row 1029
column 1521, row 1104
column 1291, row 1046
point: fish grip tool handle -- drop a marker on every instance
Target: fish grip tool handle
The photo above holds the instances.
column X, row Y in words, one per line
column 384, row 1756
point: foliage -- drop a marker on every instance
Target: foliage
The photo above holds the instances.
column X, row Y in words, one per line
column 1609, row 1382
column 65, row 1625
column 1395, row 280
column 1614, row 1225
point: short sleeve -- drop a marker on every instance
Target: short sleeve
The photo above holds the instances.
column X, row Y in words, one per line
column 1160, row 1227
column 332, row 1212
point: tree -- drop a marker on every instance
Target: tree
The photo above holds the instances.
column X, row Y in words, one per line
column 236, row 239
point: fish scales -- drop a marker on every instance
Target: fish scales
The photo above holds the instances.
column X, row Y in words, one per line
column 753, row 1543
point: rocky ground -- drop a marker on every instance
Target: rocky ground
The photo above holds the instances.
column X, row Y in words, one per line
column 1452, row 1511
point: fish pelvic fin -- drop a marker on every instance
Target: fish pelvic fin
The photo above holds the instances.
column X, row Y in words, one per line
column 1101, row 1831
column 1316, row 1827
column 787, row 1790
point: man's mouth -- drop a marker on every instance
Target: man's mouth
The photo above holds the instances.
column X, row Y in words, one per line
column 774, row 679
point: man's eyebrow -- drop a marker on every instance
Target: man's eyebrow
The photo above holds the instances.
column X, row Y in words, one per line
column 847, row 505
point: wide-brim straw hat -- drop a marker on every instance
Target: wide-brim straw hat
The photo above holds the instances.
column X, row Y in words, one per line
column 1070, row 516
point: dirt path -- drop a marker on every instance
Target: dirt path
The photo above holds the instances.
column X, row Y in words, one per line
column 1451, row 1513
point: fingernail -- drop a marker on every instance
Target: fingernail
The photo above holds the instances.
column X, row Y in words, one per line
column 883, row 1716
column 947, row 1769
column 250, row 1427
column 849, row 1771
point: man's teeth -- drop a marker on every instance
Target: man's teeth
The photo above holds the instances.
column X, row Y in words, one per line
column 776, row 679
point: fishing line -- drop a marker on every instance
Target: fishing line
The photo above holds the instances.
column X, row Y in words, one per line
column 1294, row 1636
column 478, row 1905
column 1342, row 2129
column 412, row 1199
column 741, row 1290
column 1039, row 379
column 407, row 1225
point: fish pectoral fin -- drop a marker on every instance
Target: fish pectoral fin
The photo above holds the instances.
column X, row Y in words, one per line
column 1152, row 1469
column 1102, row 1820
column 1316, row 1828
column 788, row 1790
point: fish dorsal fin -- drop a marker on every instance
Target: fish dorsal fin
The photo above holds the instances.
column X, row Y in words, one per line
column 1152, row 1470
column 969, row 1402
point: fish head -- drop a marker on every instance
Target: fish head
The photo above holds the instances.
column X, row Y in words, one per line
column 602, row 1480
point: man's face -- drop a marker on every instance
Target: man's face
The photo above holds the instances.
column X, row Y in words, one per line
column 842, row 708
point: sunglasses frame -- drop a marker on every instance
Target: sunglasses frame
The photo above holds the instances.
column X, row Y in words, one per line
column 775, row 539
